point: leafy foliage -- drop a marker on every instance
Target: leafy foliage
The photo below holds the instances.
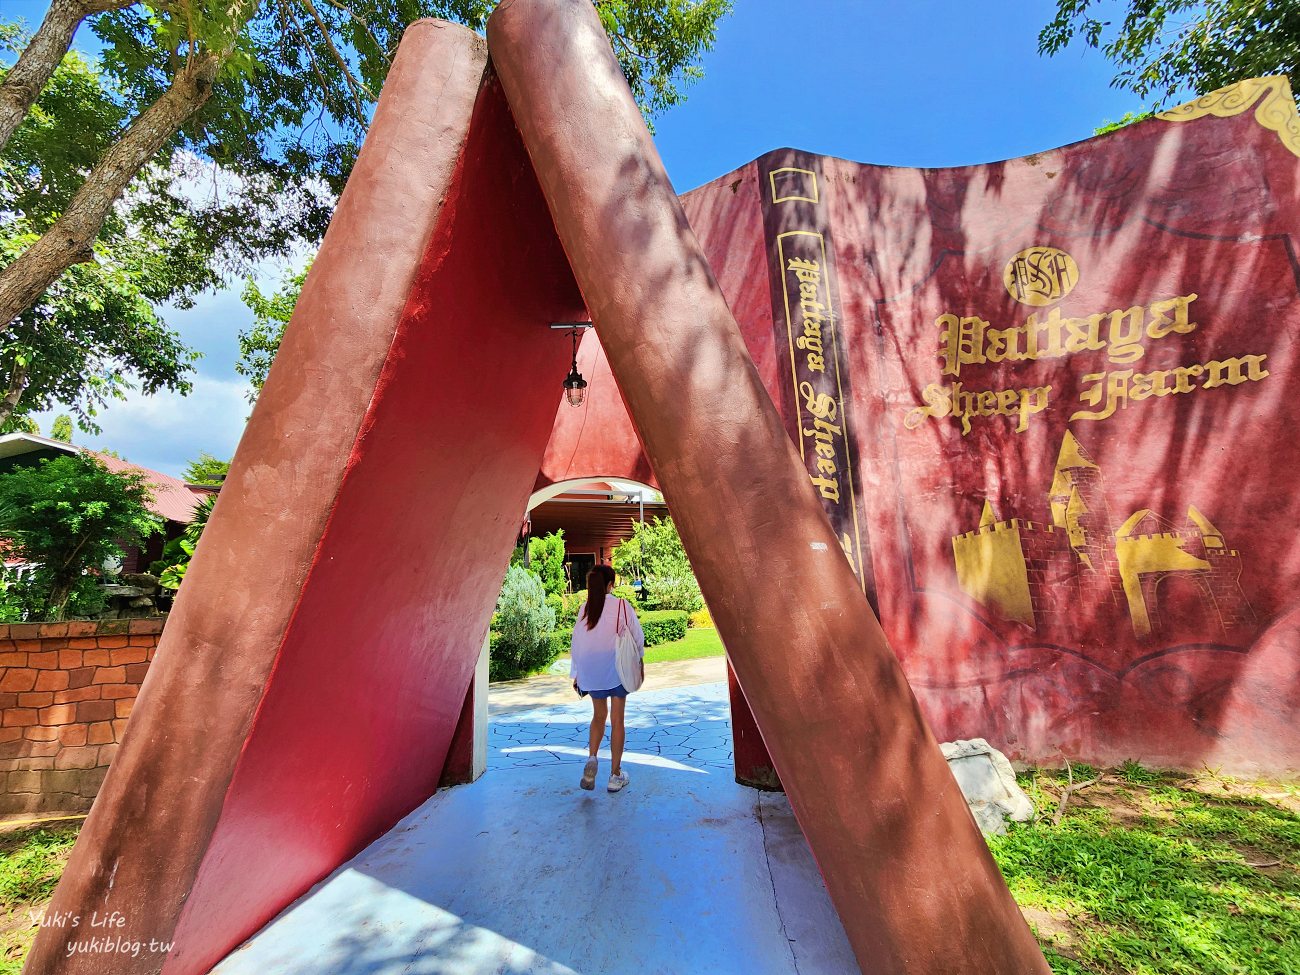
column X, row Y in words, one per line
column 94, row 335
column 658, row 45
column 654, row 554
column 271, row 313
column 663, row 626
column 522, row 624
column 701, row 619
column 1161, row 47
column 1128, row 118
column 179, row 552
column 95, row 332
column 70, row 515
column 270, row 100
column 61, row 428
column 206, row 469
column 546, row 558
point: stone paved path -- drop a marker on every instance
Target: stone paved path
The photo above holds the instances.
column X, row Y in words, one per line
column 522, row 873
column 688, row 726
column 510, row 697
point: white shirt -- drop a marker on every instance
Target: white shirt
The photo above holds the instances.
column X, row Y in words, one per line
column 592, row 657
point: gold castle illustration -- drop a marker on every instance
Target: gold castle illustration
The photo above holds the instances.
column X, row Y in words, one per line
column 1041, row 573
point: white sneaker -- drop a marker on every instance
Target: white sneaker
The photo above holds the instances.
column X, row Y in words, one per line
column 589, row 774
column 617, row 781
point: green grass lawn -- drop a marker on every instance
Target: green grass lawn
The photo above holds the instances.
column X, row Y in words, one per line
column 31, row 861
column 1146, row 874
column 698, row 643
column 1160, row 874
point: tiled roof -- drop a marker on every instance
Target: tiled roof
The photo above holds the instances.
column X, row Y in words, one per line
column 172, row 498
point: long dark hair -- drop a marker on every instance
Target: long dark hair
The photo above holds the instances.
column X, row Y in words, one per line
column 599, row 579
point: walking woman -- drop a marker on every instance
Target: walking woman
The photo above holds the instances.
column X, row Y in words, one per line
column 592, row 662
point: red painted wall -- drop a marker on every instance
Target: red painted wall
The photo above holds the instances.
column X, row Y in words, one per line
column 356, row 723
column 1154, row 212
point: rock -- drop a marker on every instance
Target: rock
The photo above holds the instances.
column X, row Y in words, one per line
column 141, row 602
column 142, row 580
column 126, row 592
column 989, row 784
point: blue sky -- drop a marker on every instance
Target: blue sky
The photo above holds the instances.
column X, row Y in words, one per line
column 907, row 82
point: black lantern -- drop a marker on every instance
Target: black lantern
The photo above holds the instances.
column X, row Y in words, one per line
column 575, row 387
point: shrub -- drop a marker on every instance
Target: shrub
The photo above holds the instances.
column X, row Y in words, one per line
column 177, row 554
column 701, row 619
column 663, row 626
column 67, row 517
column 568, row 614
column 546, row 560
column 673, row 592
column 523, row 623
column 654, row 549
column 561, row 641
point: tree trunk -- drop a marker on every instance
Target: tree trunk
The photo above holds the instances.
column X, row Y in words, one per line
column 28, row 77
column 71, row 239
column 9, row 402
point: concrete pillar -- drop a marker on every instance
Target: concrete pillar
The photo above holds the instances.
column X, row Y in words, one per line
column 908, row 871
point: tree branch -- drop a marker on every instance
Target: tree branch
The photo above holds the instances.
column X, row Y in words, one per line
column 388, row 54
column 17, row 383
column 69, row 241
column 355, row 84
column 28, row 77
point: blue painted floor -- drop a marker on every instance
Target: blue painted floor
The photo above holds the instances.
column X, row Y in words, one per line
column 683, row 873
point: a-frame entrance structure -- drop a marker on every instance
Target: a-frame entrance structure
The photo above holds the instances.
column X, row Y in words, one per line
column 311, row 676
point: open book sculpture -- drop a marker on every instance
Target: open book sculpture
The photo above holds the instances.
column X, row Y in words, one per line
column 1036, row 412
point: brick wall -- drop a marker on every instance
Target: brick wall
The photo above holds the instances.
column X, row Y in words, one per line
column 66, row 690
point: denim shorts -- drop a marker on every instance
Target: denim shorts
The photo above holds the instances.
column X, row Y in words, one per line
column 616, row 691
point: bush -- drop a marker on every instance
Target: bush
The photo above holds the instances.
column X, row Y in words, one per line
column 546, row 560
column 67, row 517
column 567, row 615
column 673, row 592
column 561, row 642
column 524, row 621
column 663, row 626
column 702, row 619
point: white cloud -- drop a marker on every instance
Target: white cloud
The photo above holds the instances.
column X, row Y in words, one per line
column 165, row 431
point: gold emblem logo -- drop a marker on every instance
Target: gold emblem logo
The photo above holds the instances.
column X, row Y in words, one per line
column 1040, row 275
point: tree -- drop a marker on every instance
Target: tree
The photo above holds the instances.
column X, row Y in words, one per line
column 206, row 469
column 94, row 333
column 654, row 554
column 69, row 516
column 546, row 559
column 276, row 94
column 522, row 623
column 1163, row 46
column 61, row 428
column 271, row 313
